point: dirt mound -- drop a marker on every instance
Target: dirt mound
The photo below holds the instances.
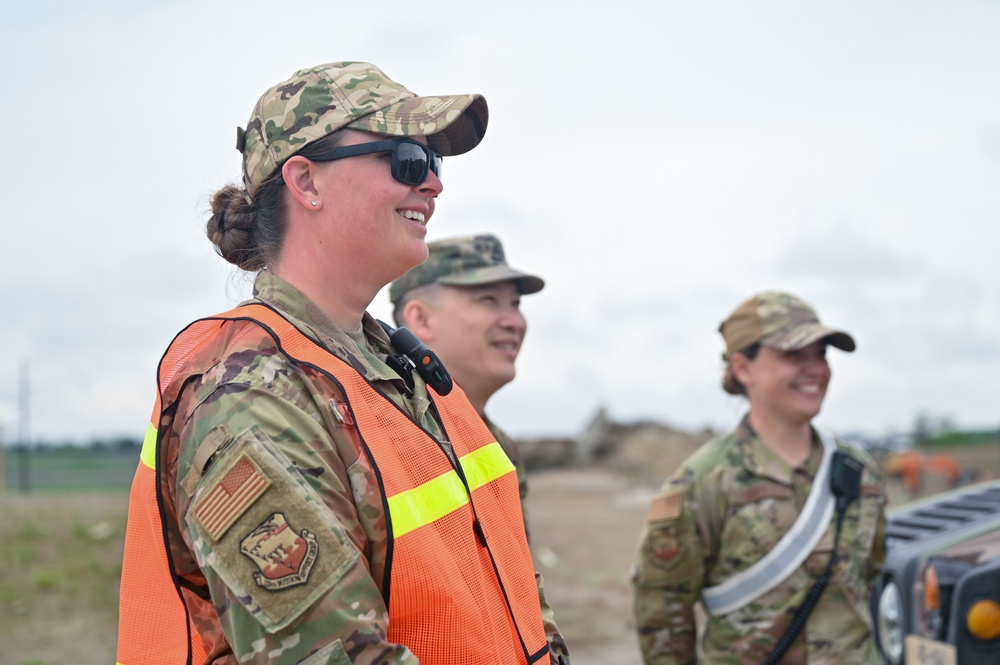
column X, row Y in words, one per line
column 645, row 450
column 652, row 452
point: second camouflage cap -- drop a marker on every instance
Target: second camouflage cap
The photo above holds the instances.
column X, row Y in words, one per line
column 465, row 261
column 319, row 100
column 780, row 321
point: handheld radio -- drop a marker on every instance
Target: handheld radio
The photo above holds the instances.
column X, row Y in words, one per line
column 845, row 479
column 845, row 485
column 422, row 359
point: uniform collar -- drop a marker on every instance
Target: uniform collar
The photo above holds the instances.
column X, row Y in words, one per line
column 759, row 460
column 272, row 290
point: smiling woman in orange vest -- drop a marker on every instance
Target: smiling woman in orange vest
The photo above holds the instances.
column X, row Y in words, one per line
column 303, row 496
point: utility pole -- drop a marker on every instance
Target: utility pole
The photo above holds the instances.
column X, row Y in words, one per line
column 24, row 436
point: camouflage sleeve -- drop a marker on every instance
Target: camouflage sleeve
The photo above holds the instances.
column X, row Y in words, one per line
column 867, row 549
column 271, row 528
column 557, row 645
column 666, row 579
column 522, row 488
column 513, row 451
column 876, row 486
column 877, row 560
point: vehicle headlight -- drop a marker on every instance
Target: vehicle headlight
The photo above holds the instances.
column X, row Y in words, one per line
column 932, row 590
column 983, row 619
column 933, row 614
column 890, row 623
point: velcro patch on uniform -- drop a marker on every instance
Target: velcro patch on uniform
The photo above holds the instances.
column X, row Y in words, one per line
column 235, row 491
column 758, row 492
column 665, row 546
column 280, row 552
column 218, row 438
column 342, row 412
column 283, row 557
column 870, row 489
column 665, row 506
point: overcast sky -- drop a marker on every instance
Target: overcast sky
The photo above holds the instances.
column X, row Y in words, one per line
column 656, row 162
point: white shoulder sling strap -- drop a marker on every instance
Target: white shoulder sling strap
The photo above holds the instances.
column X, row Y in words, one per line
column 797, row 544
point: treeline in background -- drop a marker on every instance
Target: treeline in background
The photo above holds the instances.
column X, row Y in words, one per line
column 99, row 466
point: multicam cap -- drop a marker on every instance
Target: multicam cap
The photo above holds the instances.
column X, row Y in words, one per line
column 319, row 100
column 780, row 321
column 465, row 261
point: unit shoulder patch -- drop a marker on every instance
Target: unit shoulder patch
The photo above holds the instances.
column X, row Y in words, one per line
column 258, row 525
column 283, row 557
column 665, row 549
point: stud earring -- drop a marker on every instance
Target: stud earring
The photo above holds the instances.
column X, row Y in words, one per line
column 315, row 203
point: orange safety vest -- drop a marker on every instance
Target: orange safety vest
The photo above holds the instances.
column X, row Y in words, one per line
column 480, row 604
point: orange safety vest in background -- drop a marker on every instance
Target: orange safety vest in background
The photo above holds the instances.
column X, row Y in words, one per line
column 479, row 605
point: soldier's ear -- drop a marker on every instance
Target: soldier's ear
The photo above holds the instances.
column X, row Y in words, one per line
column 300, row 175
column 739, row 364
column 417, row 316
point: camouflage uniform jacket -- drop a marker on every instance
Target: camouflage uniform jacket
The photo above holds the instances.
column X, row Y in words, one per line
column 321, row 481
column 513, row 451
column 509, row 445
column 724, row 508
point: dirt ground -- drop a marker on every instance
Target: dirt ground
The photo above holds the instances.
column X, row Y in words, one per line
column 60, row 566
column 585, row 524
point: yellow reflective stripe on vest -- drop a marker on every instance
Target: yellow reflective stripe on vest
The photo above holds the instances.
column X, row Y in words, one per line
column 148, row 454
column 486, row 465
column 440, row 496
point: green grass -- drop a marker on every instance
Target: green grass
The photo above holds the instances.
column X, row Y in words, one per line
column 70, row 469
column 966, row 438
column 61, row 550
column 64, row 556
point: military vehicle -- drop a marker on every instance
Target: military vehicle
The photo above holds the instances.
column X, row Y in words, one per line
column 937, row 600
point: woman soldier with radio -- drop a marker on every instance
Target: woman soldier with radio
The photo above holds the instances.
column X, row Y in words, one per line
column 775, row 528
column 303, row 496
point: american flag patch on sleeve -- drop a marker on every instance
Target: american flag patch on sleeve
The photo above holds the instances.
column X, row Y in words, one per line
column 223, row 503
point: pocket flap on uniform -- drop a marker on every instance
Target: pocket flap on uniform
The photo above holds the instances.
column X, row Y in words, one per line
column 270, row 539
column 758, row 492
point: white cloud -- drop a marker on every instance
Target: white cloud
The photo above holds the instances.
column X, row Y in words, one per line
column 657, row 164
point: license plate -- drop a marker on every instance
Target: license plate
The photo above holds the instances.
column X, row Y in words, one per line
column 922, row 651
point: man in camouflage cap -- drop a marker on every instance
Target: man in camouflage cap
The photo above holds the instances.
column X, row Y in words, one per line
column 732, row 503
column 464, row 303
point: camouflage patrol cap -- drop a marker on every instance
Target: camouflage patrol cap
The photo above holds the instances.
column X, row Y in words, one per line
column 464, row 261
column 780, row 321
column 319, row 100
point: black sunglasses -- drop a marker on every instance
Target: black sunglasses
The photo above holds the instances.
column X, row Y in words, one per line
column 410, row 159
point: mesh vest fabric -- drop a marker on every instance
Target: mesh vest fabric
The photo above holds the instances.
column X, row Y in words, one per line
column 448, row 595
column 154, row 626
column 466, row 605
